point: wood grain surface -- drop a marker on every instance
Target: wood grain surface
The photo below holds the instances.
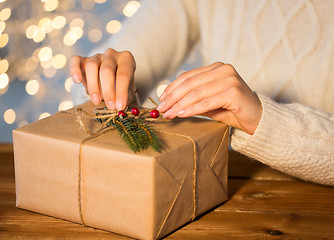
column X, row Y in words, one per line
column 263, row 204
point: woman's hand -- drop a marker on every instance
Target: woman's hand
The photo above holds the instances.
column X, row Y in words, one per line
column 107, row 76
column 216, row 91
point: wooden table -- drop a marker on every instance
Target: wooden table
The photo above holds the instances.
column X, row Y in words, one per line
column 264, row 204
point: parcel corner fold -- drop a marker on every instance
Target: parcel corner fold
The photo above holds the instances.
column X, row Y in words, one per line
column 143, row 195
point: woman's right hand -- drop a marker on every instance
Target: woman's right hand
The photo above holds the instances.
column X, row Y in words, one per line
column 107, row 76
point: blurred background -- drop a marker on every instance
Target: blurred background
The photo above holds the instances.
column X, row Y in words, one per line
column 37, row 38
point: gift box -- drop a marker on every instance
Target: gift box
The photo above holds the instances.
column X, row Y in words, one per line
column 101, row 183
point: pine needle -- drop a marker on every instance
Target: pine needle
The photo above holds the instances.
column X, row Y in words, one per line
column 135, row 132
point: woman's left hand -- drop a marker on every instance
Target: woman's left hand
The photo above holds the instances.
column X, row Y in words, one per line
column 216, row 91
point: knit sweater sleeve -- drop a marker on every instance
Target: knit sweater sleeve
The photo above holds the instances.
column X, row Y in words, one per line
column 292, row 138
column 159, row 35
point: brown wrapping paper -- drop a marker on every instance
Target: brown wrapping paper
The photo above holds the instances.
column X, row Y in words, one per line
column 145, row 195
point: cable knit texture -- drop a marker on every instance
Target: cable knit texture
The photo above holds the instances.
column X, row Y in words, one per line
column 283, row 49
column 292, row 138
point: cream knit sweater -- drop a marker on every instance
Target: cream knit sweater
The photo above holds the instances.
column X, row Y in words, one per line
column 283, row 49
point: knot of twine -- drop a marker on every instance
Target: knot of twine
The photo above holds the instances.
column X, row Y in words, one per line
column 109, row 115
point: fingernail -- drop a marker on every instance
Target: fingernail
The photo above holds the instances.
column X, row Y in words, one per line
column 179, row 113
column 119, row 105
column 168, row 114
column 111, row 105
column 161, row 106
column 162, row 96
column 76, row 78
column 95, row 99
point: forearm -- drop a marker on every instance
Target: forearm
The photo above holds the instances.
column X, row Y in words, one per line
column 292, row 138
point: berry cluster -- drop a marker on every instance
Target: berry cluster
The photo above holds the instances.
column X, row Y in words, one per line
column 135, row 111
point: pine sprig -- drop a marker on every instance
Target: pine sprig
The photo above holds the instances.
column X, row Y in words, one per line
column 135, row 132
column 148, row 134
column 127, row 132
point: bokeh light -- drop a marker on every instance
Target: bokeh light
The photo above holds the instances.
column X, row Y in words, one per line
column 46, row 64
column 70, row 39
column 9, row 116
column 65, row 105
column 32, row 87
column 160, row 89
column 31, row 30
column 68, row 84
column 77, row 31
column 100, row 1
column 3, row 40
column 44, row 115
column 59, row 22
column 38, row 35
column 45, row 24
column 49, row 72
column 50, row 5
column 59, row 61
column 94, row 35
column 131, row 8
column 3, row 65
column 5, row 14
column 45, row 54
column 4, row 80
column 113, row 26
column 23, row 123
column 77, row 22
column 2, row 27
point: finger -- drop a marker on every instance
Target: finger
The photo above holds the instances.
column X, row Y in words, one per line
column 188, row 85
column 124, row 75
column 238, row 107
column 206, row 105
column 75, row 68
column 83, row 73
column 184, row 107
column 187, row 75
column 107, row 79
column 201, row 93
column 92, row 77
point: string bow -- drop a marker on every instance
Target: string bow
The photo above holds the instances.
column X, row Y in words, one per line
column 135, row 131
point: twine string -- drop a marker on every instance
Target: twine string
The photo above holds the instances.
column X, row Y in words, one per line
column 194, row 168
column 194, row 163
column 102, row 130
column 108, row 116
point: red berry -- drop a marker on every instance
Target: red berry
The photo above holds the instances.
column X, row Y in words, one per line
column 155, row 113
column 122, row 113
column 135, row 111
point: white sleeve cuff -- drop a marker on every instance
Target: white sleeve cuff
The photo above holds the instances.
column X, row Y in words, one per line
column 292, row 138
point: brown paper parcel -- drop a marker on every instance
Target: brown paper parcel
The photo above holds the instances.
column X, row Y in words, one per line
column 145, row 195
